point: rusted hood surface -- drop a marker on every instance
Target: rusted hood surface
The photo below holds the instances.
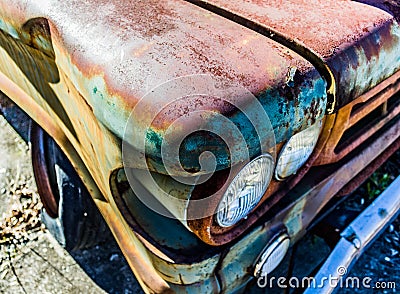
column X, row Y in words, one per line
column 358, row 41
column 114, row 52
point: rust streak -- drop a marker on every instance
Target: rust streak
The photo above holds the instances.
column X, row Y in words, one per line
column 275, row 35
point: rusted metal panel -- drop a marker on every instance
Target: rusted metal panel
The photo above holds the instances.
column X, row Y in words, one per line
column 295, row 213
column 390, row 6
column 350, row 116
column 26, row 91
column 205, row 227
column 356, row 237
column 96, row 73
column 77, row 74
column 132, row 248
column 180, row 244
column 355, row 46
column 105, row 86
column 112, row 62
column 298, row 210
column 369, row 170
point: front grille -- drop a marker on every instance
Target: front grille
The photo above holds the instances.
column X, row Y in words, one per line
column 361, row 119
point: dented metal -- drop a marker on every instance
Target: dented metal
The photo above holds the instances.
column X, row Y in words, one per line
column 79, row 75
column 112, row 69
column 354, row 51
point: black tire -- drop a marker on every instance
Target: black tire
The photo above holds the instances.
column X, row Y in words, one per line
column 76, row 223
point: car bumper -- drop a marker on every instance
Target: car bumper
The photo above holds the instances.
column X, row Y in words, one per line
column 294, row 214
column 356, row 238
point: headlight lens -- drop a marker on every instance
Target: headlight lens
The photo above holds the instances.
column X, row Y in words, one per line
column 272, row 256
column 245, row 191
column 296, row 151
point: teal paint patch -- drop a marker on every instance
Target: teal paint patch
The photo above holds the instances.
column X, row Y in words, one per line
column 153, row 141
column 288, row 116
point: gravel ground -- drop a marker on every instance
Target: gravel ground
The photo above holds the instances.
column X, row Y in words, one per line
column 31, row 261
column 381, row 261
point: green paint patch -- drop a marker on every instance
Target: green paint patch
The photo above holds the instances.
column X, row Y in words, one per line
column 154, row 139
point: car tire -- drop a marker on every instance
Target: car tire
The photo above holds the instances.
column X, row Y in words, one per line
column 69, row 212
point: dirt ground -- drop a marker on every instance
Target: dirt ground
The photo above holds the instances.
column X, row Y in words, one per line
column 31, row 261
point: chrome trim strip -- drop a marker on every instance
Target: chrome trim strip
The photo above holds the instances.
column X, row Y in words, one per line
column 356, row 237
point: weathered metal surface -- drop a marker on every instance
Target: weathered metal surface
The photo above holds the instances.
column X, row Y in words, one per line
column 390, row 6
column 34, row 82
column 206, row 227
column 113, row 61
column 49, row 76
column 133, row 249
column 96, row 73
column 348, row 116
column 355, row 46
column 105, row 85
column 297, row 210
column 179, row 257
column 180, row 244
column 93, row 156
column 369, row 170
column 49, row 199
column 357, row 236
column 29, row 62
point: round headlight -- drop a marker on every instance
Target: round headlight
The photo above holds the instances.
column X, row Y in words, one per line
column 272, row 256
column 296, row 151
column 245, row 191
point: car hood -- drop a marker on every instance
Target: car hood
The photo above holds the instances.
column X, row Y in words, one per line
column 354, row 44
column 116, row 52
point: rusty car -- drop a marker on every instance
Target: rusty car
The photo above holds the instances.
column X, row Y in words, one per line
column 209, row 136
